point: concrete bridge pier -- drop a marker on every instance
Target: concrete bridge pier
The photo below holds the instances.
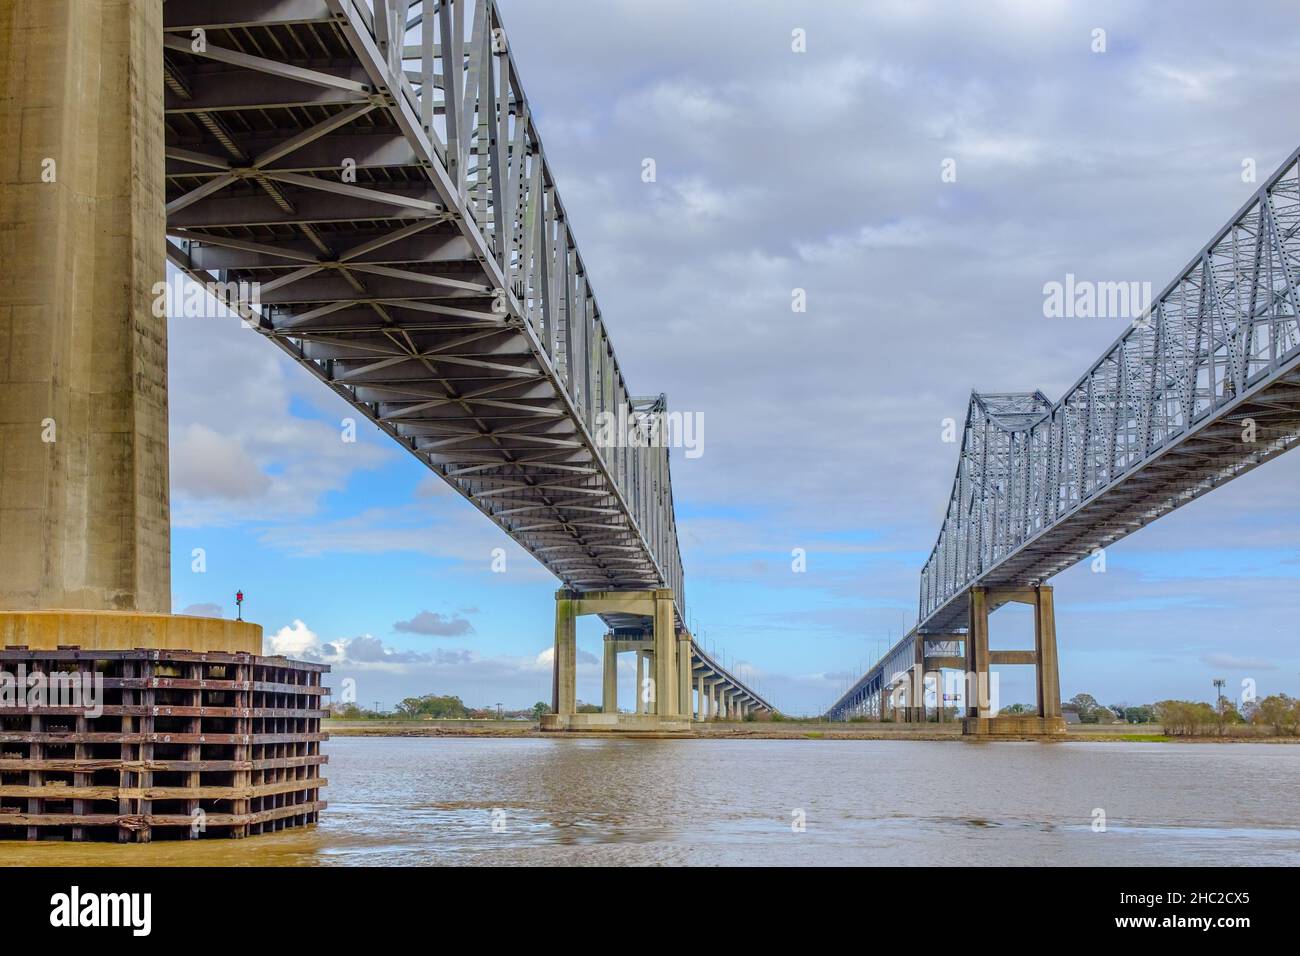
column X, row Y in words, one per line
column 85, row 533
column 979, row 720
column 656, row 606
column 84, row 516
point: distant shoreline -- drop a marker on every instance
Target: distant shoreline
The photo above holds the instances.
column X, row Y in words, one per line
column 766, row 730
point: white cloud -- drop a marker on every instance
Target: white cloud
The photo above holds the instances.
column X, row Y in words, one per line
column 206, row 464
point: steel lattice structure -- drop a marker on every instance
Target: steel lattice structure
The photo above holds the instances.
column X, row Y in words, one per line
column 375, row 168
column 1203, row 387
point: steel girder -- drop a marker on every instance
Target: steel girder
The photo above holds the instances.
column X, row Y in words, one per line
column 1204, row 387
column 374, row 167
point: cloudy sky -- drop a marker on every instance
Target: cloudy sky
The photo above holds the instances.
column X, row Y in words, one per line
column 780, row 170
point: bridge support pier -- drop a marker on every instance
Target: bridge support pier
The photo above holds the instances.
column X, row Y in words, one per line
column 980, row 719
column 655, row 605
column 85, row 532
column 83, row 377
column 914, row 710
column 684, row 703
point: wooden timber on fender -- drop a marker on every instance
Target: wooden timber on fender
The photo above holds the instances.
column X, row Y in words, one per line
column 171, row 743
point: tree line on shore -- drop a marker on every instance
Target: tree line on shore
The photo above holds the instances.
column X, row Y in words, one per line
column 1277, row 715
column 435, row 707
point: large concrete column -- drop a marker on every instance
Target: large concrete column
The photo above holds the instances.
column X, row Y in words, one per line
column 916, row 682
column 565, row 683
column 609, row 697
column 665, row 655
column 1048, row 681
column 701, row 702
column 977, row 655
column 684, row 673
column 84, row 520
column 713, row 701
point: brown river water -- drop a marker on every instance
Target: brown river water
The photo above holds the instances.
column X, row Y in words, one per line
column 448, row 800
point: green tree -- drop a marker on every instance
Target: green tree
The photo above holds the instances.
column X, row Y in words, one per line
column 1279, row 712
column 1185, row 717
column 433, row 706
column 1225, row 714
column 1086, row 706
column 1142, row 714
column 539, row 709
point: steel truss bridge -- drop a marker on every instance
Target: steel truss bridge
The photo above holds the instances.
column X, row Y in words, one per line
column 374, row 167
column 1203, row 387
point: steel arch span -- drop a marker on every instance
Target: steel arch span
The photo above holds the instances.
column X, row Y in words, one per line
column 1202, row 387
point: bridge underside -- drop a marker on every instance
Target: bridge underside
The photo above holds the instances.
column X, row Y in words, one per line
column 370, row 176
column 290, row 169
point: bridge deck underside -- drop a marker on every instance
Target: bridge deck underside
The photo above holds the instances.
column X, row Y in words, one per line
column 373, row 284
column 384, row 191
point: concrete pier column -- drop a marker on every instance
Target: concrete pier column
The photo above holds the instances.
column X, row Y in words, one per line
column 684, row 673
column 1048, row 683
column 977, row 655
column 84, row 518
column 665, row 655
column 701, row 702
column 609, row 698
column 712, row 708
column 916, row 682
column 565, row 682
column 938, row 696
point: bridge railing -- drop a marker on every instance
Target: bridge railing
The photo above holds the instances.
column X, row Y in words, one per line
column 1227, row 323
